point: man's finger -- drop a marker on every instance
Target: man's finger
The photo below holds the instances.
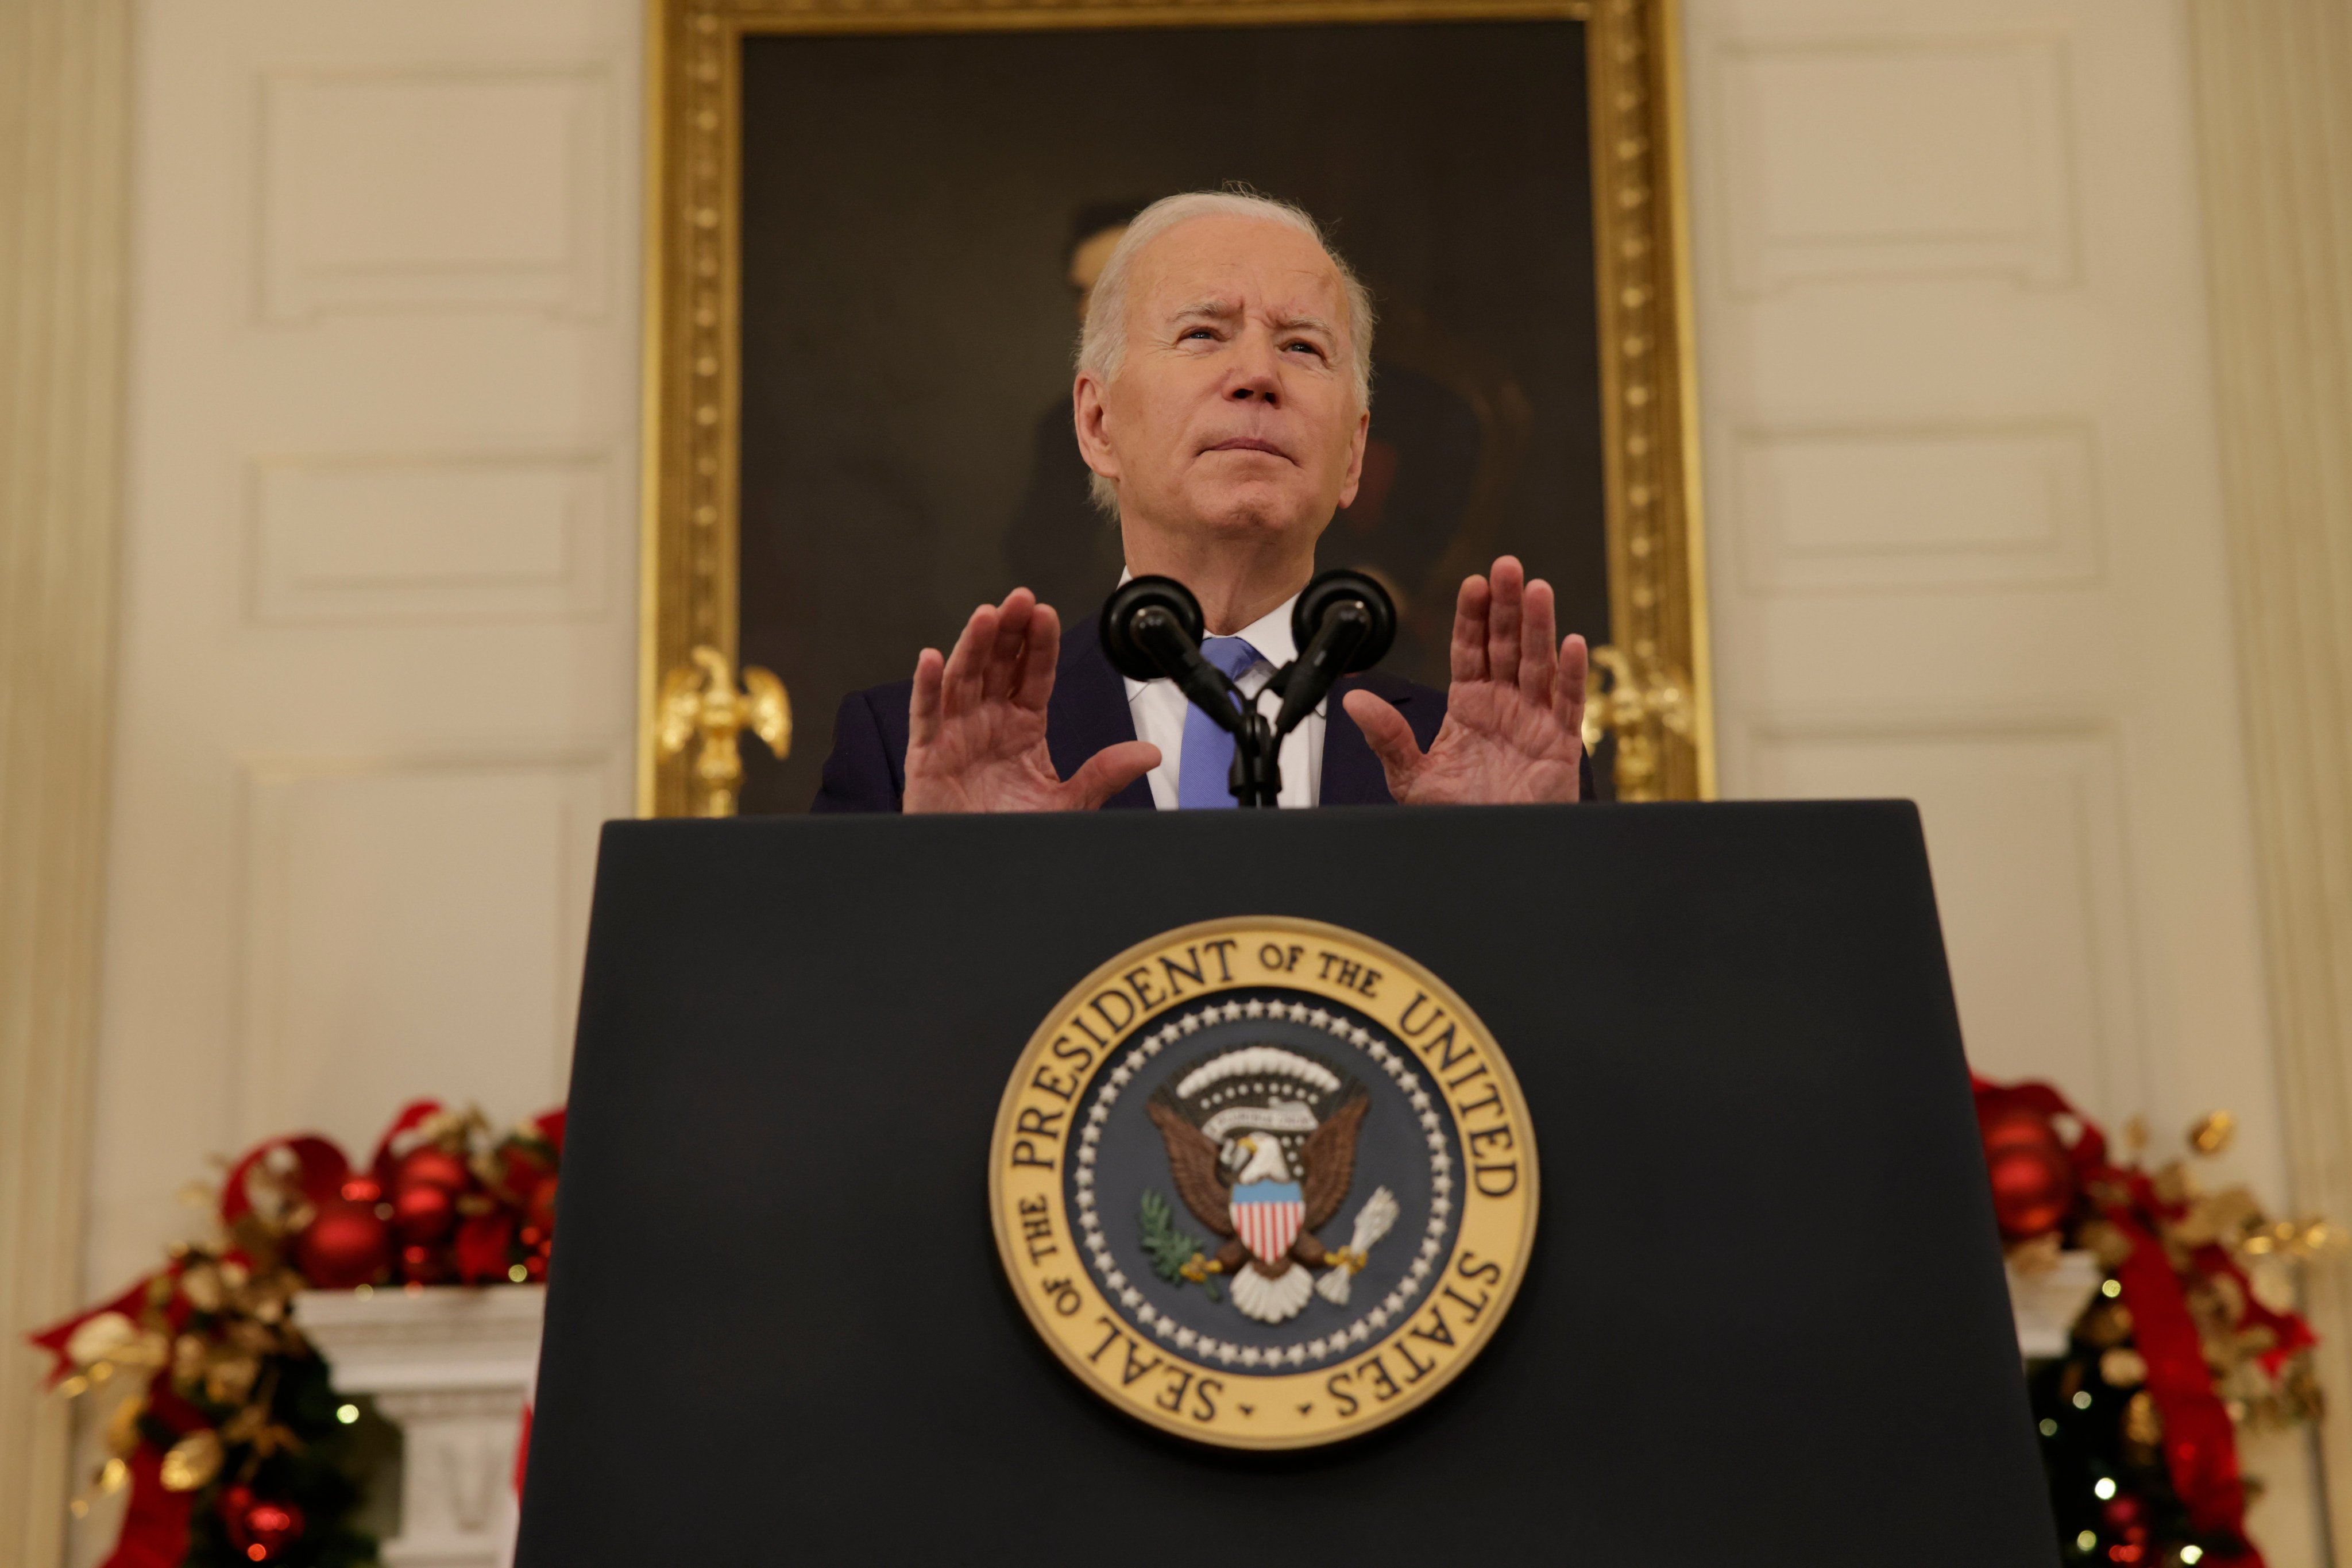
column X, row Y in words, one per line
column 1390, row 736
column 1539, row 661
column 1106, row 772
column 923, row 707
column 1469, row 650
column 1034, row 686
column 1575, row 669
column 1002, row 665
column 1503, row 621
column 961, row 679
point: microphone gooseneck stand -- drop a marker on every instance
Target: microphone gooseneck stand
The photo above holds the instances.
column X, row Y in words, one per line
column 1343, row 622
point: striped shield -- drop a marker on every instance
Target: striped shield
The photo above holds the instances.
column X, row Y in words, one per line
column 1266, row 1216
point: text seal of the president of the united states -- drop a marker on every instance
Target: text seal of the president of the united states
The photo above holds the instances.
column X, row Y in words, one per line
column 1263, row 1182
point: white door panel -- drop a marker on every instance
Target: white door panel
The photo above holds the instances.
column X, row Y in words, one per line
column 378, row 668
column 1966, row 529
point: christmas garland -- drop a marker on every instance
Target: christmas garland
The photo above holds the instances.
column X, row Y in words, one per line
column 2191, row 1335
column 236, row 1448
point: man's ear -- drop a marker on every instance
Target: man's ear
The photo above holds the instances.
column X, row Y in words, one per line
column 1356, row 461
column 1091, row 417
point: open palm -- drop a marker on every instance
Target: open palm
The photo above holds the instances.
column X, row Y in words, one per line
column 1514, row 729
column 976, row 723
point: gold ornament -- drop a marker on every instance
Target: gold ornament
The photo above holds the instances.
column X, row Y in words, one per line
column 193, row 1461
column 2213, row 1135
column 700, row 698
column 229, row 1378
column 202, row 1286
column 122, row 1427
column 100, row 1338
column 1646, row 701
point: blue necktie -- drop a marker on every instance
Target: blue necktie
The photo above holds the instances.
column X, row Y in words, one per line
column 1205, row 766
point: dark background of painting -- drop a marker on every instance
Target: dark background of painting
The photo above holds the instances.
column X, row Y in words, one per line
column 907, row 325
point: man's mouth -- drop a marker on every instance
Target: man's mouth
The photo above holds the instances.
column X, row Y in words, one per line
column 1248, row 444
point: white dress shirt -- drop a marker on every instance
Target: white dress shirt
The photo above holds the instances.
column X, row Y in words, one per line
column 1159, row 707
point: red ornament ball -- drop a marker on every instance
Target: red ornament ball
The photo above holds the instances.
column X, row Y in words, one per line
column 2033, row 1180
column 423, row 1211
column 431, row 1166
column 2017, row 1124
column 346, row 1246
column 262, row 1531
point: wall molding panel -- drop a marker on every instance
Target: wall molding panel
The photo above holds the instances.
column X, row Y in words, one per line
column 1848, row 157
column 354, row 540
column 2019, row 815
column 437, row 190
column 65, row 124
column 398, row 914
column 1933, row 509
column 2274, row 80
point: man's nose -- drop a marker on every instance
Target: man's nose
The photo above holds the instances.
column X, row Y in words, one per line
column 1257, row 375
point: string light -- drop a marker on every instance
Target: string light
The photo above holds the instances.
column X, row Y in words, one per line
column 2192, row 1553
column 2112, row 1289
column 347, row 1413
column 2104, row 1487
column 2082, row 1400
column 2049, row 1427
column 2086, row 1540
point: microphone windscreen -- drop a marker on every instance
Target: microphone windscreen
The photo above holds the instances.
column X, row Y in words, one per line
column 1129, row 657
column 1338, row 586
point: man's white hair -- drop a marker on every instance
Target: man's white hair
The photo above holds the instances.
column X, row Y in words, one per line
column 1102, row 343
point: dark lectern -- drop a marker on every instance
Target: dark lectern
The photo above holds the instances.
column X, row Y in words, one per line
column 1763, row 1321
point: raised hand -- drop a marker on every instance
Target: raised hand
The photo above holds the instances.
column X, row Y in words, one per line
column 1514, row 729
column 976, row 726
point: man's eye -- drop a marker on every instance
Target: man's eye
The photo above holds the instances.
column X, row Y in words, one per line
column 1199, row 333
column 1315, row 349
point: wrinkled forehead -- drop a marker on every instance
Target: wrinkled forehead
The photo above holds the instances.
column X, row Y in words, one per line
column 1253, row 265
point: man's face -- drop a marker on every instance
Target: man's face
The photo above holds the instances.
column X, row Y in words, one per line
column 1233, row 410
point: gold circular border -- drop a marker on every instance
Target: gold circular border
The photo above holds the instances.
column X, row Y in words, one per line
column 1474, row 1339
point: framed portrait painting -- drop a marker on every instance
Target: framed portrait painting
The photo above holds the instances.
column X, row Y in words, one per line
column 873, row 226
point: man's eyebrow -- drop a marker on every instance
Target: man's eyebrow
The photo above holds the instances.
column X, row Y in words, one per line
column 1311, row 324
column 1209, row 311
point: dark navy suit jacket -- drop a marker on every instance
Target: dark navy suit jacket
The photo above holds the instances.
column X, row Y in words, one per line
column 867, row 769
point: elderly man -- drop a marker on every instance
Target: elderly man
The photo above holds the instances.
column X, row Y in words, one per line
column 1222, row 401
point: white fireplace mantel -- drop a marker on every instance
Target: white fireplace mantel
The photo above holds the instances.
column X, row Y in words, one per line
column 450, row 1366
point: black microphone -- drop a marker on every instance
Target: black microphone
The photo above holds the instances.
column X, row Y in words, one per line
column 1151, row 630
column 1344, row 622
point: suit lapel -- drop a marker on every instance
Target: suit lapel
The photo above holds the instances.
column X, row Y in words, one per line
column 1088, row 711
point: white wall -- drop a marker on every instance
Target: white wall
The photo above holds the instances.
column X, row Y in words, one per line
column 1966, row 523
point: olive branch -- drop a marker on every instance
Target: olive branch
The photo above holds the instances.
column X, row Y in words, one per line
column 1170, row 1249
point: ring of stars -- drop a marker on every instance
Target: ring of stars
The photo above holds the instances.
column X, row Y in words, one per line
column 1208, row 1348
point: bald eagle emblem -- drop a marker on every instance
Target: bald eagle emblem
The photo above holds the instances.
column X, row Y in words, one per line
column 1261, row 1147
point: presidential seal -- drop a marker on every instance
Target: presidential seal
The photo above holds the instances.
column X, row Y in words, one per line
column 1263, row 1182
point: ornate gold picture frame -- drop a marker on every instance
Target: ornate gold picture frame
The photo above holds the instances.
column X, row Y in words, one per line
column 1651, row 677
